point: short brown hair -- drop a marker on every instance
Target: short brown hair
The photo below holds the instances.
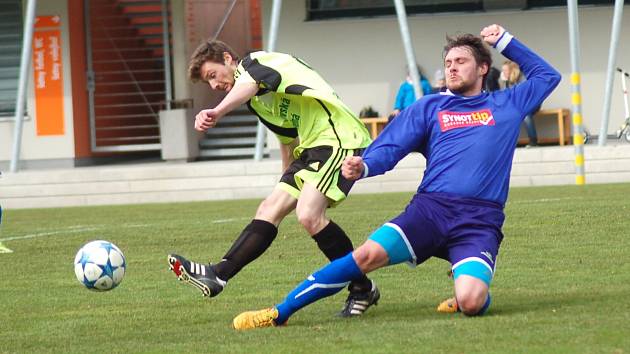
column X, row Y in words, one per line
column 211, row 50
column 477, row 46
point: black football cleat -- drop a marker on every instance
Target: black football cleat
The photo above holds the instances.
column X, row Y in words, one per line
column 359, row 301
column 200, row 276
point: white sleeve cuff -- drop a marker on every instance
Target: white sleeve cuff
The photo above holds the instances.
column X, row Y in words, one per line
column 503, row 41
column 366, row 170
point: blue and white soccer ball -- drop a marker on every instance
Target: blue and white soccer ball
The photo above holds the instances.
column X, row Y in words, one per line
column 100, row 265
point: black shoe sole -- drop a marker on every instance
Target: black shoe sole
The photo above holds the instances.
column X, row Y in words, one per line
column 183, row 275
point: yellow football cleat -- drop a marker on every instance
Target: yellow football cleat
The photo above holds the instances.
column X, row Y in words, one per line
column 448, row 306
column 255, row 319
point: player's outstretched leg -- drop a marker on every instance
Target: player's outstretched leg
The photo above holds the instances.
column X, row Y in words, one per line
column 211, row 279
column 335, row 243
column 326, row 282
column 198, row 275
column 396, row 251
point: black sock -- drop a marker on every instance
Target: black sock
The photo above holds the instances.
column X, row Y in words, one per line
column 253, row 242
column 334, row 243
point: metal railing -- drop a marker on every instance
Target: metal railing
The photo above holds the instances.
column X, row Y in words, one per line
column 128, row 125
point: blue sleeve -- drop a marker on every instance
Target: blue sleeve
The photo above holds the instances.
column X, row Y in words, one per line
column 400, row 97
column 405, row 133
column 542, row 78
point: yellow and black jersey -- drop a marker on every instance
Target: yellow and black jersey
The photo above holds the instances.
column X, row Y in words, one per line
column 294, row 101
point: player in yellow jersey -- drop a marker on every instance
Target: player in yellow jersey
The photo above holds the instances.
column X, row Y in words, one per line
column 316, row 130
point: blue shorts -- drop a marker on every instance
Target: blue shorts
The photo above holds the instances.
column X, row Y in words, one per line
column 456, row 229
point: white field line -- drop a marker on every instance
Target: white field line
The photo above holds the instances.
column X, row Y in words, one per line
column 544, row 200
column 223, row 221
column 51, row 233
column 79, row 228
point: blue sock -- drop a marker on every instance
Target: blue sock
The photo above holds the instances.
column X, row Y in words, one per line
column 485, row 306
column 325, row 282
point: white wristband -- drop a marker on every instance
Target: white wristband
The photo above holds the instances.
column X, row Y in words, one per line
column 503, row 41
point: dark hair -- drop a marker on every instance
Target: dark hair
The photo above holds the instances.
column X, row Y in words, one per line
column 211, row 50
column 492, row 79
column 477, row 46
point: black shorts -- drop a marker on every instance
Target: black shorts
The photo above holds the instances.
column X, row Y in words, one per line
column 319, row 166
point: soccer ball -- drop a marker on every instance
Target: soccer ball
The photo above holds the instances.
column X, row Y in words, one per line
column 100, row 265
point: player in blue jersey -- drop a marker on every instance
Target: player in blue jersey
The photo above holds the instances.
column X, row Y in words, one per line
column 468, row 138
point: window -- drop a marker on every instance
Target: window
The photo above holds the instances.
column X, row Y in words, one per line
column 10, row 53
column 329, row 9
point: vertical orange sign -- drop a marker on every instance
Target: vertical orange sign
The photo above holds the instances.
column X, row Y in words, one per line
column 48, row 76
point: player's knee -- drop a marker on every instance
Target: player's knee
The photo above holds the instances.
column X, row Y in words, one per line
column 472, row 281
column 369, row 257
column 271, row 211
column 312, row 222
column 265, row 210
column 472, row 302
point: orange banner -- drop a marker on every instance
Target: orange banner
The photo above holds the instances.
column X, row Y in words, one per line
column 48, row 76
column 47, row 21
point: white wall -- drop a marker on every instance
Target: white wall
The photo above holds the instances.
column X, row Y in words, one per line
column 44, row 147
column 363, row 59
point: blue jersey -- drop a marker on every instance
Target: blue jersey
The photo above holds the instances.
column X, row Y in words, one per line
column 468, row 142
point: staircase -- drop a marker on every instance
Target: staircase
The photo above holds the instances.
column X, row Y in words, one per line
column 128, row 74
column 234, row 137
column 127, row 41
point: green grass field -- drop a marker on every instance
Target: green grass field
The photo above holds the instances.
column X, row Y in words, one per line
column 562, row 282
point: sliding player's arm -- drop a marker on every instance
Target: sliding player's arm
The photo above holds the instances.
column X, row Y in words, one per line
column 542, row 78
column 404, row 134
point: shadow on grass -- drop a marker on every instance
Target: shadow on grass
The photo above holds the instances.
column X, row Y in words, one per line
column 558, row 301
column 425, row 310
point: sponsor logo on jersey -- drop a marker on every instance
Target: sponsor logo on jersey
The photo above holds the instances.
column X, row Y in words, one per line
column 284, row 112
column 453, row 120
column 284, row 107
column 295, row 120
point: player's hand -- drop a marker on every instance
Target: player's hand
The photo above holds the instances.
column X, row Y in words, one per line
column 492, row 33
column 206, row 119
column 352, row 167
